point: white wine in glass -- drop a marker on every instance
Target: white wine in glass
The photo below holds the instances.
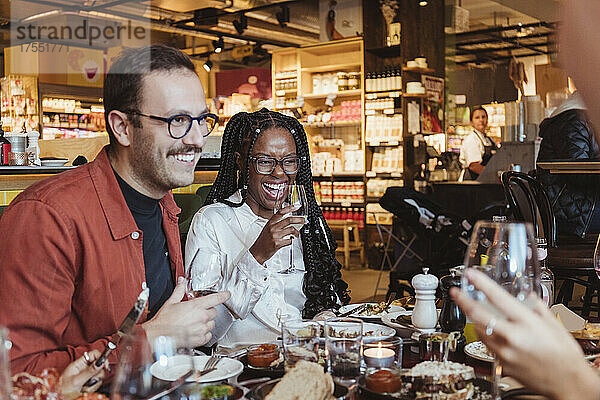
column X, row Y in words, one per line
column 294, row 195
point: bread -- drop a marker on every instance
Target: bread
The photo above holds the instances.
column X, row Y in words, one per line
column 306, row 381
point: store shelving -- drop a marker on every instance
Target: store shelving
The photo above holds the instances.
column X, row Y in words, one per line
column 344, row 93
column 333, row 67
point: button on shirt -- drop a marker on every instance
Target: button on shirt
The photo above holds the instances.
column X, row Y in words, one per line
column 473, row 147
column 261, row 296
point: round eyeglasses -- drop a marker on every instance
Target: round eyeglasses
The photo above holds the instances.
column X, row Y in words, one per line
column 266, row 165
column 180, row 124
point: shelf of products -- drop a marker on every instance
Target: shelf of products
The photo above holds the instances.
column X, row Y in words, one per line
column 344, row 213
column 19, row 103
column 376, row 188
column 389, row 79
column 339, row 192
column 345, row 93
column 69, row 118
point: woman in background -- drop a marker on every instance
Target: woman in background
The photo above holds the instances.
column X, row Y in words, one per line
column 477, row 148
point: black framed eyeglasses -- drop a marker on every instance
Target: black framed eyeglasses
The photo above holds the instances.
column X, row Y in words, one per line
column 266, row 165
column 180, row 124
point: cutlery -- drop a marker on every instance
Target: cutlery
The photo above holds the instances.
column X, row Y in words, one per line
column 391, row 298
column 126, row 327
column 174, row 385
column 200, row 374
column 355, row 310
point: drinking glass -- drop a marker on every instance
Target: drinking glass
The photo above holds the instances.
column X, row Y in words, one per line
column 300, row 341
column 146, row 368
column 343, row 340
column 294, row 195
column 597, row 257
column 506, row 252
column 203, row 275
column 5, row 378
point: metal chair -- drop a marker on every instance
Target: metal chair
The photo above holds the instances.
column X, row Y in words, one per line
column 570, row 261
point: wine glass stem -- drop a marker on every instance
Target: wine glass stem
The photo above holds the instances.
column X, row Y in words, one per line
column 292, row 255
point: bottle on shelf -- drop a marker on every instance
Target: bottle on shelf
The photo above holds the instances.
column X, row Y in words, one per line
column 4, row 147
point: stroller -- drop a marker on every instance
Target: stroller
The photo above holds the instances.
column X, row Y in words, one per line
column 437, row 239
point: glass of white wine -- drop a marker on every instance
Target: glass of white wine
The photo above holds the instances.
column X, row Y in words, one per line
column 295, row 196
column 506, row 252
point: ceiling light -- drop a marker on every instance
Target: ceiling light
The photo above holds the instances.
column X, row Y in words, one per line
column 422, row 3
column 241, row 25
column 219, row 44
column 283, row 16
column 208, row 65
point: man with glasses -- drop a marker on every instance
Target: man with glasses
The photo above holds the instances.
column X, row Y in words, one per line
column 77, row 248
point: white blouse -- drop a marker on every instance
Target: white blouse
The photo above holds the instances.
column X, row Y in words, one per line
column 473, row 148
column 261, row 297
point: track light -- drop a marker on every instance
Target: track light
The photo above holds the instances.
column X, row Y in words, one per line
column 283, row 16
column 208, row 65
column 219, row 44
column 422, row 3
column 241, row 25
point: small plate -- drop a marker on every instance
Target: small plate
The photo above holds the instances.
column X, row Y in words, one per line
column 391, row 308
column 176, row 367
column 379, row 332
column 404, row 330
column 477, row 350
column 54, row 162
column 272, row 372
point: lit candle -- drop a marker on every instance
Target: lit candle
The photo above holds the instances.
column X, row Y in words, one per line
column 379, row 357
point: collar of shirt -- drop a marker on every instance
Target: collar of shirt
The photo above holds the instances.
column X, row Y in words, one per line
column 113, row 203
column 483, row 137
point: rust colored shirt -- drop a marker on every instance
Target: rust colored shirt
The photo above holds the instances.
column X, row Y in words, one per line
column 71, row 265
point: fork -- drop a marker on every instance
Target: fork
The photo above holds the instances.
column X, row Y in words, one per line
column 210, row 364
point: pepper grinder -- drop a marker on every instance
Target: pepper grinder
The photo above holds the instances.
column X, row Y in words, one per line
column 424, row 316
column 452, row 319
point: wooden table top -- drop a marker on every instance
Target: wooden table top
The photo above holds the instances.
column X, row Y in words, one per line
column 571, row 167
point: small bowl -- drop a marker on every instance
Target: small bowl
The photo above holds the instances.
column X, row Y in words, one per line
column 263, row 355
column 383, row 380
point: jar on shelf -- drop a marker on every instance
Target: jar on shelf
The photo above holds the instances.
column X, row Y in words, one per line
column 354, row 80
column 342, row 81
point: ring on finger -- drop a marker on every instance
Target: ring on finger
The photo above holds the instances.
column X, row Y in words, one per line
column 489, row 328
column 87, row 358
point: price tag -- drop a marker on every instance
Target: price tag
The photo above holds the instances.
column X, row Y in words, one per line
column 280, row 93
column 345, row 204
column 371, row 174
column 388, row 111
column 393, row 143
column 370, row 96
column 330, row 99
column 396, row 174
column 369, row 112
column 374, row 143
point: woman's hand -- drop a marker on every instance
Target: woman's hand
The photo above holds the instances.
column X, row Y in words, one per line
column 530, row 343
column 78, row 373
column 276, row 234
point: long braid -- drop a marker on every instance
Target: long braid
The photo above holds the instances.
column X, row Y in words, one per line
column 322, row 281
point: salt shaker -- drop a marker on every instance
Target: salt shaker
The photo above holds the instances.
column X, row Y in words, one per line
column 424, row 316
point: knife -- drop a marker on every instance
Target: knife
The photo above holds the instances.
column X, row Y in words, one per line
column 126, row 327
column 179, row 382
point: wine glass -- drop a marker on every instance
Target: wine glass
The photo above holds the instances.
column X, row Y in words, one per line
column 149, row 366
column 203, row 275
column 5, row 379
column 597, row 257
column 506, row 252
column 294, row 195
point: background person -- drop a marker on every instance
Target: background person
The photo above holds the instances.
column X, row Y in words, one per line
column 261, row 152
column 477, row 148
column 77, row 247
column 568, row 135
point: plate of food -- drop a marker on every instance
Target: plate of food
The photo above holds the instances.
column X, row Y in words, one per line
column 369, row 310
column 408, row 302
column 372, row 332
column 479, row 351
column 176, row 366
column 306, row 380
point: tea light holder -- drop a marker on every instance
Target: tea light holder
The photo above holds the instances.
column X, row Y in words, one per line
column 383, row 354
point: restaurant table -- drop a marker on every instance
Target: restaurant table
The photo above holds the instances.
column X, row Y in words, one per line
column 571, row 166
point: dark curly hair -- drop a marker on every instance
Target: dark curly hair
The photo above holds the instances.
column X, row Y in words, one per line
column 323, row 280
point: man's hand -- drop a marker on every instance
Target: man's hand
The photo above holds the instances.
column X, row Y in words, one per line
column 78, row 373
column 196, row 315
column 276, row 234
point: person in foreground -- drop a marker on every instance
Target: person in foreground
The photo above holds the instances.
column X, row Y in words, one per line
column 530, row 343
column 260, row 154
column 78, row 247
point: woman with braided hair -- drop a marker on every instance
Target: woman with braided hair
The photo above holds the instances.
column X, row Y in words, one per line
column 262, row 152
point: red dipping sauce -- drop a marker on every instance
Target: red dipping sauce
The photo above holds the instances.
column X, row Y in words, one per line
column 383, row 381
column 263, row 355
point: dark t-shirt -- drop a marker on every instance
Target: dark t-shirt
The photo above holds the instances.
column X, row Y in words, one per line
column 148, row 217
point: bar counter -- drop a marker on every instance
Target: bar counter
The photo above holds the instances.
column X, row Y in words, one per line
column 19, row 178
